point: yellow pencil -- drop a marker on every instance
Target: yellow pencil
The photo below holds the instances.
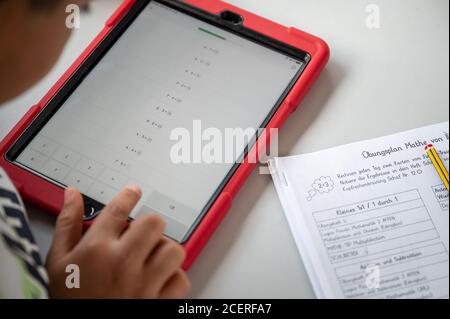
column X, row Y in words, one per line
column 438, row 165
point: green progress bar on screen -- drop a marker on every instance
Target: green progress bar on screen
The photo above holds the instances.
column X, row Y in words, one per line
column 212, row 33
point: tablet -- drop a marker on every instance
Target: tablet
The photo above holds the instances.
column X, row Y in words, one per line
column 138, row 109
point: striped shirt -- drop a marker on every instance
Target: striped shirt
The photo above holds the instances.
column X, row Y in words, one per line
column 22, row 273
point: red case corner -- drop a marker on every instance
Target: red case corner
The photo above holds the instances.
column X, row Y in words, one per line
column 49, row 196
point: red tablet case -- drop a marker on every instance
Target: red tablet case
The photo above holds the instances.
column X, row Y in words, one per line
column 50, row 197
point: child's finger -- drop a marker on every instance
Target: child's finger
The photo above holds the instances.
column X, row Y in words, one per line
column 113, row 218
column 164, row 261
column 69, row 225
column 143, row 236
column 176, row 287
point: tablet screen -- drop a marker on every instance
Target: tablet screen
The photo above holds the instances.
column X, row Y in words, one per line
column 140, row 115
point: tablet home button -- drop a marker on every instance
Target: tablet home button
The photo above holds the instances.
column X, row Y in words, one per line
column 89, row 212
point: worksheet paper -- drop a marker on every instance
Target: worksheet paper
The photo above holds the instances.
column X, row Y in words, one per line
column 371, row 219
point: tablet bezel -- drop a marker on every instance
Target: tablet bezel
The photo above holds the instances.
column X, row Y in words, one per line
column 103, row 47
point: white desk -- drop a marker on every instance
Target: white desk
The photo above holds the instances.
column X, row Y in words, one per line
column 378, row 82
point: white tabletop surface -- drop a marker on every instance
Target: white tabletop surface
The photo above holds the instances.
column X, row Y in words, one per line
column 378, row 81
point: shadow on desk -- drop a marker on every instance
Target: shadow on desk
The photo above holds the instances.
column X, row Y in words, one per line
column 224, row 237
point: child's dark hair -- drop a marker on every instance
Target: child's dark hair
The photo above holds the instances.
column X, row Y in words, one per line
column 44, row 4
column 50, row 4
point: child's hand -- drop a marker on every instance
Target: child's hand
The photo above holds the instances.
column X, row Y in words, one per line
column 115, row 261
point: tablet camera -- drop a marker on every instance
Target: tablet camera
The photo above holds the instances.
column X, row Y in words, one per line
column 232, row 18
